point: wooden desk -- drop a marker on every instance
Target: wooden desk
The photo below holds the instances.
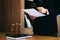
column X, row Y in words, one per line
column 2, row 37
column 44, row 38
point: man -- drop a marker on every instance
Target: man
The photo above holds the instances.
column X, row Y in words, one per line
column 46, row 25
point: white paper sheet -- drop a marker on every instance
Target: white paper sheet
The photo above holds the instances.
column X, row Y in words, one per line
column 33, row 12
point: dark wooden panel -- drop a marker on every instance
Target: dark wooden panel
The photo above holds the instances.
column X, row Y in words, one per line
column 10, row 13
column 0, row 15
column 13, row 12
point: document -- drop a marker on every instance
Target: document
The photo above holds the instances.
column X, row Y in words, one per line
column 33, row 12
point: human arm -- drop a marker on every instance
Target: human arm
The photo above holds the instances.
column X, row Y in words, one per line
column 39, row 8
column 48, row 4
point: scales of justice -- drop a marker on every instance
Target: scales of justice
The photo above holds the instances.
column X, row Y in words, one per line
column 16, row 29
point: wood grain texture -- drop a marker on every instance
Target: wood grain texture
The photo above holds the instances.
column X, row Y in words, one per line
column 0, row 15
column 2, row 37
column 58, row 25
column 11, row 13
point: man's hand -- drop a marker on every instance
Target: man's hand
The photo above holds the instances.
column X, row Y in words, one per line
column 42, row 9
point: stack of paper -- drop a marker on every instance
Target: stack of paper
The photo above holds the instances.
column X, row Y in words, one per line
column 33, row 12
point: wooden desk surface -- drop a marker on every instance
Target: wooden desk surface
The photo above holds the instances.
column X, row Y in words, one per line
column 2, row 37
